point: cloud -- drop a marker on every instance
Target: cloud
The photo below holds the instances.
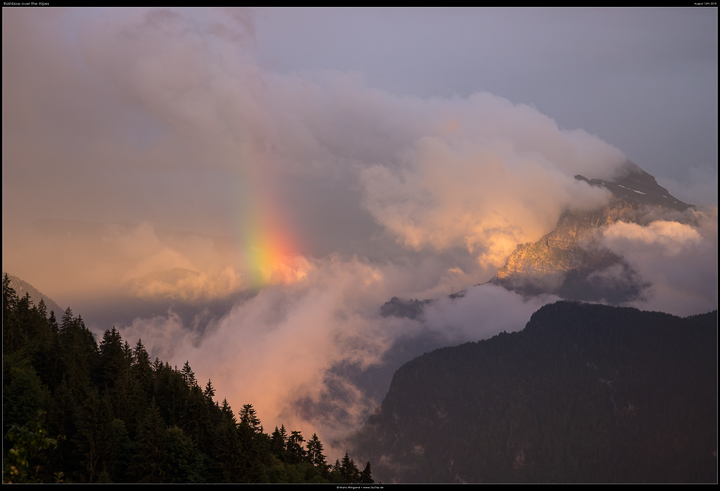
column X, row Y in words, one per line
column 282, row 349
column 486, row 197
column 279, row 345
column 81, row 260
column 482, row 312
column 183, row 131
column 160, row 335
column 679, row 260
column 169, row 165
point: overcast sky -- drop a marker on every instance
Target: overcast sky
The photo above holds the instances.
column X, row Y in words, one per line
column 326, row 160
column 642, row 79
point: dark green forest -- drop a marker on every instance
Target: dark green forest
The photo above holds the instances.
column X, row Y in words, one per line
column 78, row 411
column 584, row 394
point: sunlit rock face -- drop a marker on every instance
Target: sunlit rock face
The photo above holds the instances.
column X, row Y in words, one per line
column 570, row 262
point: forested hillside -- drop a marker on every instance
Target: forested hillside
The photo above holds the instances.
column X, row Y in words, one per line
column 585, row 393
column 22, row 287
column 76, row 411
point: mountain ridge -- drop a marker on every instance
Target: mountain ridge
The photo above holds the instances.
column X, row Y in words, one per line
column 22, row 287
column 570, row 260
column 585, row 393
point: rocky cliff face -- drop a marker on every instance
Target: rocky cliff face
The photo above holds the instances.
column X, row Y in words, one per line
column 570, row 262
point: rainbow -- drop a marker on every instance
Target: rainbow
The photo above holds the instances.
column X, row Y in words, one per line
column 268, row 252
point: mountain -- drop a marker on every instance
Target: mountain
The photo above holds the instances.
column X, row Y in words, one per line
column 398, row 307
column 22, row 287
column 585, row 393
column 571, row 263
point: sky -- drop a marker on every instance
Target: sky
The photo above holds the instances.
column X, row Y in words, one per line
column 243, row 188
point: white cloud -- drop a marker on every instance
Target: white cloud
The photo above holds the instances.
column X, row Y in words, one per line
column 679, row 260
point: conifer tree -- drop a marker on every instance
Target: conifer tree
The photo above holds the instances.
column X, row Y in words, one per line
column 150, row 464
column 248, row 417
column 296, row 452
column 63, row 419
column 188, row 375
column 113, row 361
column 209, row 391
column 315, row 454
column 110, row 407
column 9, row 322
column 366, row 475
column 49, row 359
column 24, row 319
column 23, row 391
column 335, row 473
column 52, row 322
column 121, row 451
column 93, row 438
column 255, row 445
column 349, row 470
column 228, row 452
column 143, row 373
column 81, row 354
column 11, row 327
column 42, row 309
column 278, row 442
column 183, row 458
column 196, row 416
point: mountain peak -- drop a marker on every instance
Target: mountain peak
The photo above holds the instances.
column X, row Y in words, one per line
column 633, row 184
column 571, row 263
